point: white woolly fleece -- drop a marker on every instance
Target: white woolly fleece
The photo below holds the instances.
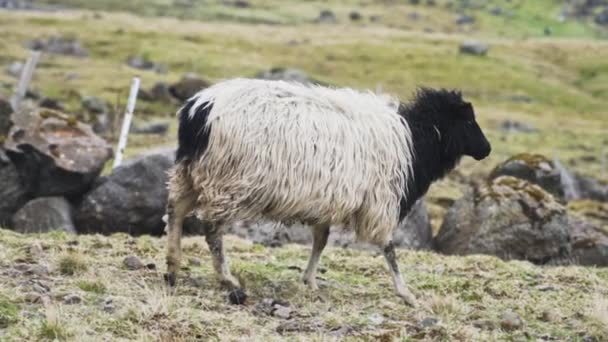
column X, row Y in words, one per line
column 292, row 152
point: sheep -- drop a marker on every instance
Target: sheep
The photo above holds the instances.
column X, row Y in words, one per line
column 287, row 152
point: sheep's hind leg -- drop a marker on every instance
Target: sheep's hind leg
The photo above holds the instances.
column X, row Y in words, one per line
column 320, row 235
column 400, row 287
column 214, row 239
column 177, row 209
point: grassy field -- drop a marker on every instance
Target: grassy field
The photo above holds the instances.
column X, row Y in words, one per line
column 462, row 298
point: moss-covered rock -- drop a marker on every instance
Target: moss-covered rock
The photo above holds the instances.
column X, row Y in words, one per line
column 510, row 218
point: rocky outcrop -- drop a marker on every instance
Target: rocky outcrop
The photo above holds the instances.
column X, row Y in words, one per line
column 54, row 154
column 187, row 87
column 44, row 214
column 12, row 192
column 131, row 199
column 510, row 218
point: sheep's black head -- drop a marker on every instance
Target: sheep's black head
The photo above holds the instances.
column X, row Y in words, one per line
column 453, row 120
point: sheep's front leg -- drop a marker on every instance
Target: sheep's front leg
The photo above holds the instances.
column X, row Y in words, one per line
column 400, row 287
column 320, row 235
column 214, row 239
column 176, row 212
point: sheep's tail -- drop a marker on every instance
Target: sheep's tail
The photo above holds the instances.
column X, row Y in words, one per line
column 193, row 132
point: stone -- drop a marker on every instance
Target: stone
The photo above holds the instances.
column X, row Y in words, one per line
column 132, row 199
column 71, row 299
column 464, row 19
column 589, row 243
column 512, row 126
column 133, row 263
column 429, row 322
column 5, row 119
column 602, row 17
column 54, row 154
column 159, row 92
column 376, row 319
column 511, row 321
column 187, row 87
column 354, row 16
column 473, row 47
column 496, row 10
column 14, row 69
column 12, row 191
column 39, row 270
column 43, row 215
column 51, row 104
column 509, row 218
column 591, row 188
column 327, row 17
column 59, row 45
column 281, row 311
column 151, row 128
column 285, row 74
column 94, row 104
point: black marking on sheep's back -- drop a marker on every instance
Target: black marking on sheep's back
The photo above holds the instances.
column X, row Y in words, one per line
column 193, row 137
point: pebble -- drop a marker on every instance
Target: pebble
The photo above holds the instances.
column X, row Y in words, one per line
column 281, row 311
column 429, row 322
column 510, row 321
column 194, row 261
column 39, row 270
column 376, row 319
column 72, row 299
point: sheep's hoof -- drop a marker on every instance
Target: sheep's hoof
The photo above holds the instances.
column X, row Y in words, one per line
column 170, row 278
column 409, row 299
column 312, row 284
column 237, row 296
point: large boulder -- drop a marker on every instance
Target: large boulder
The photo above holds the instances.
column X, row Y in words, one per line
column 414, row 232
column 510, row 218
column 540, row 170
column 589, row 243
column 55, row 155
column 187, row 87
column 44, row 214
column 131, row 199
column 12, row 192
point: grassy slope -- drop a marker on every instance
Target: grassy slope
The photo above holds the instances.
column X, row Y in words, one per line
column 560, row 302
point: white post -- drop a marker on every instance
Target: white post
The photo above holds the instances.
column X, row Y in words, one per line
column 25, row 79
column 126, row 123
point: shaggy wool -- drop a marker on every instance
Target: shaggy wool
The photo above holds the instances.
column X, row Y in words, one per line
column 292, row 152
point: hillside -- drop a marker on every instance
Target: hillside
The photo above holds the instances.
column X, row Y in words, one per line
column 55, row 286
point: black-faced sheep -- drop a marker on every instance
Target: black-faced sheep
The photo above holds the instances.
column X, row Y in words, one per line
column 252, row 149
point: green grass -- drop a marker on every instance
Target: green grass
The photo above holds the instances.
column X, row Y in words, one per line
column 9, row 312
column 458, row 291
column 71, row 264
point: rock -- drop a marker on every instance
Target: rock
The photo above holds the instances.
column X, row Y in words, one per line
column 51, row 104
column 521, row 98
column 14, row 69
column 241, row 4
column 464, row 19
column 413, row 16
column 354, row 16
column 108, row 305
column 187, row 87
column 39, row 270
column 72, row 299
column 547, row 31
column 159, row 92
column 192, row 261
column 237, row 297
column 602, row 17
column 591, row 188
column 151, row 128
column 131, row 199
column 12, row 191
column 589, row 243
column 33, row 297
column 511, row 321
column 509, row 218
column 429, row 322
column 485, row 324
column 281, row 311
column 473, row 47
column 94, row 105
column 133, row 263
column 59, row 45
column 496, row 10
column 327, row 17
column 375, row 18
column 142, row 63
column 511, row 126
column 285, row 74
column 54, row 154
column 43, row 215
column 538, row 169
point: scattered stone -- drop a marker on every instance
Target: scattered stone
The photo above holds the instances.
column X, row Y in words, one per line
column 589, row 243
column 194, row 261
column 108, row 305
column 51, row 104
column 281, row 311
column 131, row 199
column 547, row 31
column 473, row 47
column 413, row 16
column 546, row 287
column 72, row 299
column 151, row 266
column 521, row 98
column 187, row 87
column 429, row 322
column 354, row 16
column 151, row 128
column 285, row 74
column 327, row 17
column 241, row 4
column 94, row 105
column 159, row 92
column 142, row 63
column 59, row 45
column 375, row 319
column 14, row 69
column 295, row 326
column 485, row 324
column 464, row 19
column 511, row 321
column 602, row 17
column 39, row 270
column 5, row 119
column 512, row 126
column 133, row 263
column 197, row 282
column 549, row 315
column 33, row 297
column 44, row 214
column 40, row 287
column 591, row 188
column 237, row 297
column 54, row 154
column 496, row 11
column 375, row 18
column 510, row 218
